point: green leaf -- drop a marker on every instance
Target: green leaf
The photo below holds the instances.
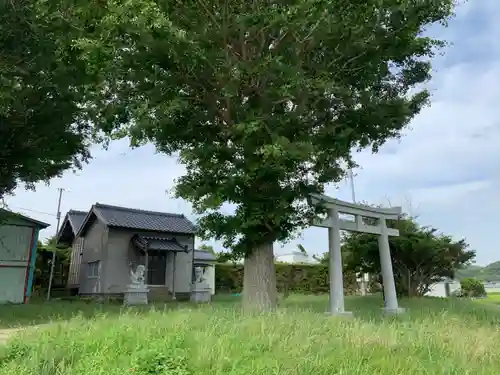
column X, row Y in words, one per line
column 42, row 127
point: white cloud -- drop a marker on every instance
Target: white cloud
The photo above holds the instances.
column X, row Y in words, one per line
column 451, row 194
column 447, row 164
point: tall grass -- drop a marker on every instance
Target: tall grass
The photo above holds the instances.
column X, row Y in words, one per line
column 493, row 298
column 435, row 337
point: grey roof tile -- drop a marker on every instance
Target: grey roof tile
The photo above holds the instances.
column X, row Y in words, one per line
column 200, row 255
column 132, row 218
column 165, row 245
column 76, row 218
column 158, row 243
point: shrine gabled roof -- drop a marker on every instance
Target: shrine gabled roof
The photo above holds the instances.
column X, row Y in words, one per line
column 132, row 218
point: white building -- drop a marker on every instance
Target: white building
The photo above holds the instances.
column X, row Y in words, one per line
column 295, row 257
column 439, row 289
column 442, row 290
column 492, row 286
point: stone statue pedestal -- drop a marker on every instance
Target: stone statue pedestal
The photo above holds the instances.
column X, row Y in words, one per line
column 136, row 292
column 136, row 295
column 201, row 293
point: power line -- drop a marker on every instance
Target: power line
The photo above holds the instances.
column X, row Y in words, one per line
column 30, row 210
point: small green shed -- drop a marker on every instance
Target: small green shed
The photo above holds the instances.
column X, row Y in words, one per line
column 18, row 246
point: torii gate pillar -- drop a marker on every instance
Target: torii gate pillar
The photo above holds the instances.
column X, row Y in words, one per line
column 335, row 266
column 390, row 296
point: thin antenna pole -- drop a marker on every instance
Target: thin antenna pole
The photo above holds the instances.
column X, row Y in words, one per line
column 351, row 180
column 54, row 250
column 363, row 276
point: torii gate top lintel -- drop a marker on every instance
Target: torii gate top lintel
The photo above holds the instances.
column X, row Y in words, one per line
column 392, row 213
column 359, row 211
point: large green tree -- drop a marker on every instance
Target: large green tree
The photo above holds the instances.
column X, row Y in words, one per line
column 264, row 100
column 42, row 129
column 421, row 256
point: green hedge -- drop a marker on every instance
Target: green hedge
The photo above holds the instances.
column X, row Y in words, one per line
column 290, row 278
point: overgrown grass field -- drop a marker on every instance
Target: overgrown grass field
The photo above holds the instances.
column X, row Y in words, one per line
column 434, row 337
column 493, row 298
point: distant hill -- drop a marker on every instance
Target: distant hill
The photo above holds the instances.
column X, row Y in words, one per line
column 491, row 272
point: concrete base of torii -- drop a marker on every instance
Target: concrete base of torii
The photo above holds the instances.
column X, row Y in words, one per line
column 343, row 314
column 396, row 311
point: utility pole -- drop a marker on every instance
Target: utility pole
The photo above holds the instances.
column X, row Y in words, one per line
column 58, row 216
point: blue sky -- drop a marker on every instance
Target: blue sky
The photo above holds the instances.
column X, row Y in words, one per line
column 445, row 169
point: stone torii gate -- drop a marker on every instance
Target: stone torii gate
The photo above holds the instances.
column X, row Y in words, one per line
column 335, row 225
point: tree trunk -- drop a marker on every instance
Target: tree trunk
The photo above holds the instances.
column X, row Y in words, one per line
column 259, row 280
